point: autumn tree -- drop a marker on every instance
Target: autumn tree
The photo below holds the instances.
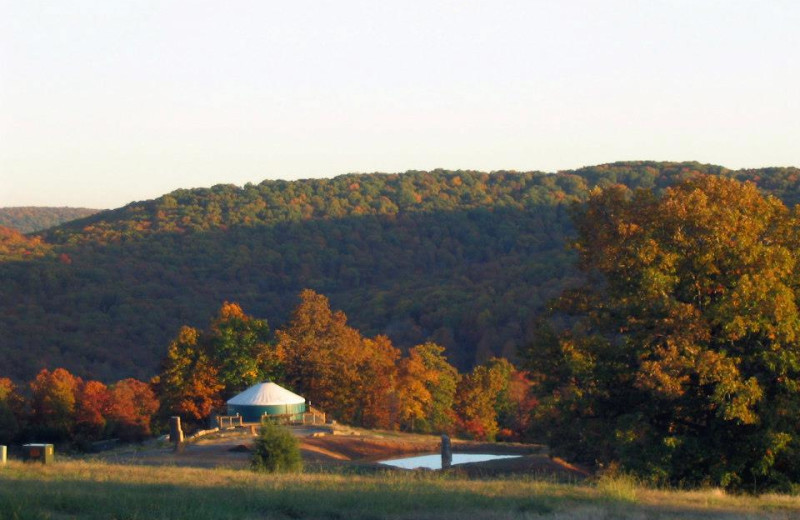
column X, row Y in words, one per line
column 680, row 356
column 479, row 395
column 355, row 379
column 131, row 409
column 203, row 368
column 188, row 384
column 428, row 388
column 238, row 347
column 92, row 408
column 515, row 407
column 413, row 394
column 16, row 246
column 11, row 410
column 322, row 357
column 65, row 408
column 53, row 399
column 379, row 384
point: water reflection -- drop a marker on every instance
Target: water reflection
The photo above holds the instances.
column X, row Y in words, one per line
column 435, row 461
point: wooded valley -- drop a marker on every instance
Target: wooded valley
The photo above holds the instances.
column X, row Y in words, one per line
column 465, row 259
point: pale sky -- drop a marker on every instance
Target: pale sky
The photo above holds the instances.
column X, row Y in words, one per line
column 106, row 102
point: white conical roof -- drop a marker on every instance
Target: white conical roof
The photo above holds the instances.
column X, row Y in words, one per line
column 266, row 394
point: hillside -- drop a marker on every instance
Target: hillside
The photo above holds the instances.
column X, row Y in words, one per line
column 28, row 219
column 463, row 258
column 16, row 246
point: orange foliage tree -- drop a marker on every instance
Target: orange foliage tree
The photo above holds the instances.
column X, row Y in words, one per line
column 64, row 407
column 321, row 356
column 354, row 379
column 92, row 407
column 133, row 404
column 188, row 384
column 515, row 407
column 16, row 246
column 379, row 382
column 413, row 395
column 53, row 399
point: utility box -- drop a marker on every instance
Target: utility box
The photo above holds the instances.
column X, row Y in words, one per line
column 43, row 453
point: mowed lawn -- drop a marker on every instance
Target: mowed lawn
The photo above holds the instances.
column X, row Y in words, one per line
column 86, row 489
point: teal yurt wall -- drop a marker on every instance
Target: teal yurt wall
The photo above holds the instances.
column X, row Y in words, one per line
column 267, row 398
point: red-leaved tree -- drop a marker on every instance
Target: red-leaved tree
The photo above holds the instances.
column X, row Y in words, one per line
column 132, row 407
column 92, row 407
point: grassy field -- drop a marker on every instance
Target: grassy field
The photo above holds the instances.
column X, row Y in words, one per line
column 84, row 489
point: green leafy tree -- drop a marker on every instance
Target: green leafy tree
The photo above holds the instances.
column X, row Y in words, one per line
column 276, row 450
column 432, row 383
column 239, row 348
column 680, row 357
column 481, row 394
column 202, row 368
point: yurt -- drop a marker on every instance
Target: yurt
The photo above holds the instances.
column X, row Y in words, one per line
column 266, row 398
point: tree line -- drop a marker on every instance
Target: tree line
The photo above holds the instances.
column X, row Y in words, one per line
column 354, row 379
column 59, row 406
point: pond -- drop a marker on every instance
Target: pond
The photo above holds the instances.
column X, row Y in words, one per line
column 434, row 461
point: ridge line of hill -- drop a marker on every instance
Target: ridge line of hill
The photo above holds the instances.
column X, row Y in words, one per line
column 463, row 258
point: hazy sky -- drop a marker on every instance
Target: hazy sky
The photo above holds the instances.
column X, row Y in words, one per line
column 110, row 101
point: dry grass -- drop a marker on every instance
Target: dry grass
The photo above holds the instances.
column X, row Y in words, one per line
column 83, row 489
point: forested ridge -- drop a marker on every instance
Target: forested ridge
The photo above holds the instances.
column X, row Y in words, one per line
column 29, row 219
column 466, row 259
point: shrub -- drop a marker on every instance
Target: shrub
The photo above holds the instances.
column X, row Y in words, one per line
column 276, row 450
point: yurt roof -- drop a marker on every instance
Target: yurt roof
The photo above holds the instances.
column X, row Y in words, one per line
column 266, row 394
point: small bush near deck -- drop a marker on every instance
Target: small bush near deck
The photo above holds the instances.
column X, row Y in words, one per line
column 276, row 450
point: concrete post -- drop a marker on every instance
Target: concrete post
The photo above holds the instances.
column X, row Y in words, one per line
column 447, row 452
column 175, row 431
column 3, row 455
